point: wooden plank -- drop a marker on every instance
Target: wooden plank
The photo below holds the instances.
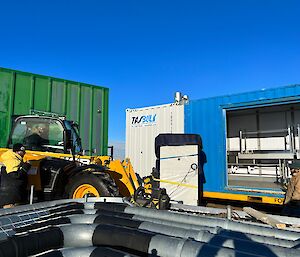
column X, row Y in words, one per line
column 264, row 218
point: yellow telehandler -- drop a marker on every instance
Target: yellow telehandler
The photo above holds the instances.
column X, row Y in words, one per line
column 60, row 170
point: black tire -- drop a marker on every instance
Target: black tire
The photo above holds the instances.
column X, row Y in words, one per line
column 102, row 183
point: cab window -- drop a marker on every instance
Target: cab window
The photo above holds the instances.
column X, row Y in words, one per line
column 39, row 134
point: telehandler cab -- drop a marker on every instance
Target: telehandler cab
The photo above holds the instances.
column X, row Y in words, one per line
column 60, row 170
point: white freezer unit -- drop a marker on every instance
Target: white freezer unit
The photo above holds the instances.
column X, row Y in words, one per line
column 143, row 125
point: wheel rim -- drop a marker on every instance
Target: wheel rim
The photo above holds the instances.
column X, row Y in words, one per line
column 85, row 189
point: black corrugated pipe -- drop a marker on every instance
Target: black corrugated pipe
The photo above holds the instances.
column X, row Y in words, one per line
column 20, row 216
column 44, row 206
column 31, row 243
column 205, row 221
column 217, row 230
column 222, row 238
column 119, row 237
column 10, row 223
column 225, row 238
column 130, row 240
column 49, row 204
column 143, row 242
column 171, row 227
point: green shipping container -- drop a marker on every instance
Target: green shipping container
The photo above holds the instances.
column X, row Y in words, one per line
column 21, row 92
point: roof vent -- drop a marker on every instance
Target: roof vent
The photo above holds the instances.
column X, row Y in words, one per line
column 181, row 99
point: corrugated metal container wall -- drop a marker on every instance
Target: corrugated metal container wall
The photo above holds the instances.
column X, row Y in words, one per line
column 86, row 104
column 207, row 117
column 143, row 125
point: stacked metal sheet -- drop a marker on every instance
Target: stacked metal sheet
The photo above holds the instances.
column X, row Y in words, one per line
column 110, row 227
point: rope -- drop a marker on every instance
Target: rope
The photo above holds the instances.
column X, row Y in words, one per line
column 179, row 184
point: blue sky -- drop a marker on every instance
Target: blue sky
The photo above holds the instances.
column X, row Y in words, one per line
column 146, row 50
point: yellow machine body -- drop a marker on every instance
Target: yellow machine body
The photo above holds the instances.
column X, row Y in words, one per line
column 56, row 174
column 121, row 171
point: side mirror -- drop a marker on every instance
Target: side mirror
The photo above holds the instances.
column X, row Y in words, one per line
column 68, row 142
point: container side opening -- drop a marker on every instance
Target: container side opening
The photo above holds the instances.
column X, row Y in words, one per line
column 260, row 144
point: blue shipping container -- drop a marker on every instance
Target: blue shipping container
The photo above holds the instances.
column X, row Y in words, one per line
column 209, row 118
